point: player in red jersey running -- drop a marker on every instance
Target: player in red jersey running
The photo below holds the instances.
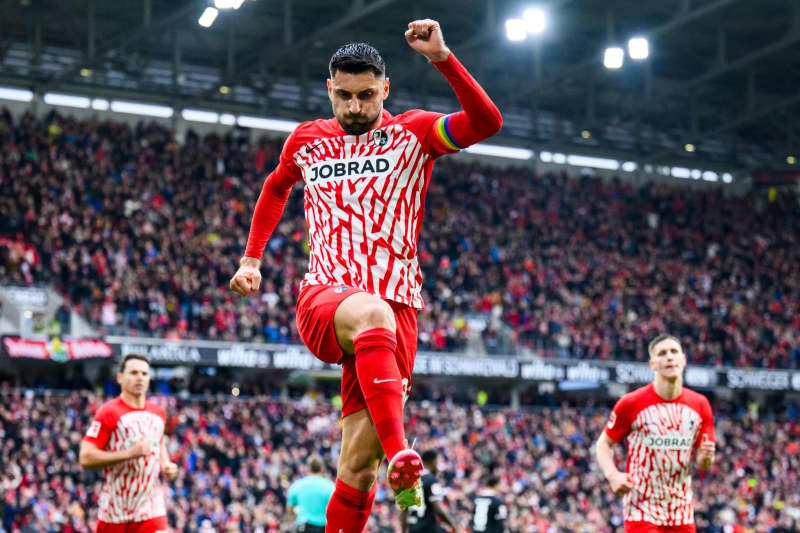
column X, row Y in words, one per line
column 126, row 438
column 366, row 173
column 664, row 422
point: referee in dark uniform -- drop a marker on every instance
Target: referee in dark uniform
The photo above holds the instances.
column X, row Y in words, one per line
column 423, row 519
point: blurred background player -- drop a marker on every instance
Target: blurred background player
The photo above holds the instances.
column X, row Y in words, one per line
column 425, row 518
column 308, row 498
column 126, row 438
column 366, row 174
column 490, row 514
column 664, row 422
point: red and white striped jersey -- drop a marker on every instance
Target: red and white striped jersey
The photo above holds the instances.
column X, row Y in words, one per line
column 365, row 199
column 131, row 490
column 661, row 436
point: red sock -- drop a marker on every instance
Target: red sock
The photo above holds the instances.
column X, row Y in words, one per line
column 348, row 509
column 382, row 386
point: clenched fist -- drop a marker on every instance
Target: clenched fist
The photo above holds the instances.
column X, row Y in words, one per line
column 140, row 449
column 425, row 36
column 248, row 278
column 621, row 482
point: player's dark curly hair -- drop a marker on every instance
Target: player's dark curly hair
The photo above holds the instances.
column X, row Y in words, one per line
column 355, row 58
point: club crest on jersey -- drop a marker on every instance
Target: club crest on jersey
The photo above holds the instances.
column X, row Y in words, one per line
column 380, row 137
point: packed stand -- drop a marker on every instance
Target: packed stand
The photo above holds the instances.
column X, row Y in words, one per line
column 142, row 234
column 237, row 459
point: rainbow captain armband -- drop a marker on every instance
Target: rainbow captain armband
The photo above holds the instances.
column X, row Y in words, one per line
column 445, row 136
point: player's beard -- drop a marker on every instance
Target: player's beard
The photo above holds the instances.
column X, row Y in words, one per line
column 357, row 124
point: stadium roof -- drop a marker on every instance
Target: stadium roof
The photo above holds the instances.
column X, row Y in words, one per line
column 721, row 76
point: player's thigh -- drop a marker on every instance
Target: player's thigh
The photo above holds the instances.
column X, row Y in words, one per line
column 361, row 449
column 316, row 307
column 359, row 312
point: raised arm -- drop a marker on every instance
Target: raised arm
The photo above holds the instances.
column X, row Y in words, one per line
column 480, row 118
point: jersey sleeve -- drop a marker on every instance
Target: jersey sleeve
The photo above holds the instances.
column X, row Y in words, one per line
column 620, row 421
column 272, row 199
column 101, row 428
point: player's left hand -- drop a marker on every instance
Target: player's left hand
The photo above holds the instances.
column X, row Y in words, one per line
column 170, row 469
column 425, row 36
column 705, row 453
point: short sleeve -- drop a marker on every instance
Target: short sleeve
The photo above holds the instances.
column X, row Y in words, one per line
column 101, row 428
column 620, row 421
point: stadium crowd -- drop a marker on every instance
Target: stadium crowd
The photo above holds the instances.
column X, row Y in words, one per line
column 142, row 234
column 238, row 457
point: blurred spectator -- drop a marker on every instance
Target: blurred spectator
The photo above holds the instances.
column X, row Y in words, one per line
column 142, row 235
column 238, row 457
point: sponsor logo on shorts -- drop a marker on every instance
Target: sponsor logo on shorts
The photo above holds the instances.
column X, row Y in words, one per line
column 376, row 380
column 611, row 420
column 339, row 290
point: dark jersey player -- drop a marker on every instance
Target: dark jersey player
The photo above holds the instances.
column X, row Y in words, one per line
column 366, row 173
column 490, row 513
column 425, row 518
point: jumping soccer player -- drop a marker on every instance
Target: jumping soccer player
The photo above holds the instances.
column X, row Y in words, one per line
column 664, row 423
column 126, row 438
column 366, row 174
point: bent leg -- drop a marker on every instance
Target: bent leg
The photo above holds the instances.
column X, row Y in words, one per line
column 365, row 326
column 359, row 458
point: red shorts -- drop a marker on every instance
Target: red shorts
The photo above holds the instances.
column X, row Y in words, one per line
column 647, row 527
column 153, row 525
column 316, row 306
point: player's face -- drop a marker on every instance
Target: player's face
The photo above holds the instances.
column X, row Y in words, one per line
column 357, row 99
column 667, row 359
column 135, row 379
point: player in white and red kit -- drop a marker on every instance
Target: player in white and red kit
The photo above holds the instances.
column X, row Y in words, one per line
column 366, row 174
column 664, row 423
column 126, row 438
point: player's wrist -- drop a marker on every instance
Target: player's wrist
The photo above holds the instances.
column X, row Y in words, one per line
column 440, row 56
column 250, row 261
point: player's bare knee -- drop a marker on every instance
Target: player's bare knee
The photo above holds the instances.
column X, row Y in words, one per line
column 376, row 314
column 359, row 478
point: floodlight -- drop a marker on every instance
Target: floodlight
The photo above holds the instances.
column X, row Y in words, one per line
column 613, row 57
column 535, row 20
column 515, row 30
column 208, row 17
column 638, row 48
